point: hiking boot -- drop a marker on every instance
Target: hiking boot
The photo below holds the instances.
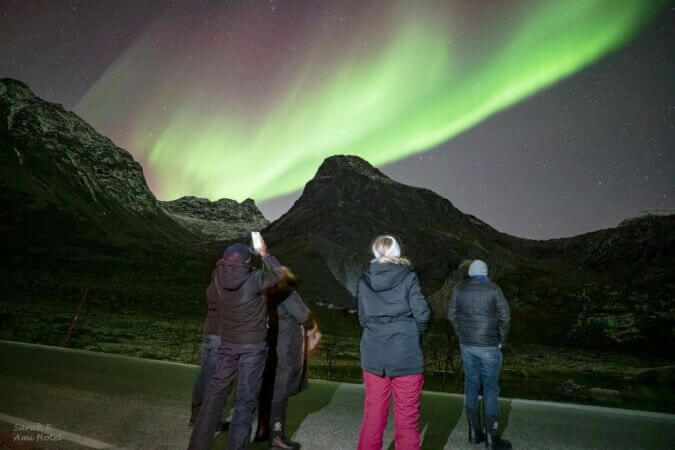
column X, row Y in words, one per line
column 492, row 439
column 476, row 436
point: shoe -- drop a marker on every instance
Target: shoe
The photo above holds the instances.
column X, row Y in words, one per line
column 492, row 439
column 476, row 436
column 279, row 442
column 496, row 443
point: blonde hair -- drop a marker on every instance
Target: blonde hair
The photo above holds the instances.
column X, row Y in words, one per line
column 386, row 249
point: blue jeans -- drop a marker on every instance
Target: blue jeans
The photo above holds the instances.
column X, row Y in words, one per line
column 246, row 362
column 210, row 346
column 481, row 366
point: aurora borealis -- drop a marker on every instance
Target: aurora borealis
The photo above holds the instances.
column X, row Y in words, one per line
column 414, row 90
column 242, row 99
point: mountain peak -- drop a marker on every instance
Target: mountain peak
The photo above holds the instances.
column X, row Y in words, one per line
column 15, row 84
column 647, row 215
column 221, row 219
column 339, row 164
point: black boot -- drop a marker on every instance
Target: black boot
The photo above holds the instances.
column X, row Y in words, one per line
column 476, row 436
column 279, row 441
column 492, row 439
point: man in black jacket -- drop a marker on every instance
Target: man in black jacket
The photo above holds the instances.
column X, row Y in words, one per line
column 239, row 293
column 480, row 316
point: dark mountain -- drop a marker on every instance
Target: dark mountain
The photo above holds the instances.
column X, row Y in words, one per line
column 220, row 220
column 59, row 172
column 609, row 288
column 77, row 212
column 349, row 202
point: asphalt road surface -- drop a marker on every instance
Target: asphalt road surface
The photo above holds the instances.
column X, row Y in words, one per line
column 53, row 398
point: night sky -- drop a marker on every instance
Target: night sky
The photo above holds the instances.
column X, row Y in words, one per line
column 542, row 118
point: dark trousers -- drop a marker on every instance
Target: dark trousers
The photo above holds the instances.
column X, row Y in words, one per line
column 210, row 346
column 247, row 363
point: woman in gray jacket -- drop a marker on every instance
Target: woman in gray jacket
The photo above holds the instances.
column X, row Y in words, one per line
column 393, row 314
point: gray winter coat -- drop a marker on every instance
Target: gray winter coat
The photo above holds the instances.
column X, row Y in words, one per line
column 393, row 313
column 479, row 313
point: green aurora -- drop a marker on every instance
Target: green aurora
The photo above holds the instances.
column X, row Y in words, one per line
column 422, row 84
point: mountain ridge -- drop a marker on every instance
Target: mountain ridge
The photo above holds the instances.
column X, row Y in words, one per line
column 78, row 212
column 218, row 220
column 586, row 281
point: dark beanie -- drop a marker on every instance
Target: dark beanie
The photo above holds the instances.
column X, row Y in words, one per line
column 237, row 255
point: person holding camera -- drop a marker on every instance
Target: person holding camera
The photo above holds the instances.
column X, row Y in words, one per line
column 293, row 334
column 209, row 353
column 239, row 289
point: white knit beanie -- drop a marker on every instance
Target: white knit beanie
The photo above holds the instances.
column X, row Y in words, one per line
column 478, row 268
column 393, row 252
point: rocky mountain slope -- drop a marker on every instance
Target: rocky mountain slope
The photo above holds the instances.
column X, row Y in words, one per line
column 609, row 288
column 220, row 220
column 55, row 163
column 349, row 202
column 77, row 214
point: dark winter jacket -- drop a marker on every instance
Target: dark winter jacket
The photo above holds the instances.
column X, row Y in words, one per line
column 479, row 313
column 237, row 296
column 393, row 313
column 291, row 315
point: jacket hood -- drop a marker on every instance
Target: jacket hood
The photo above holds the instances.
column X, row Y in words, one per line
column 384, row 276
column 232, row 277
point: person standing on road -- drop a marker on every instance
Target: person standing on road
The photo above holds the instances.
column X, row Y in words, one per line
column 243, row 348
column 480, row 316
column 291, row 327
column 210, row 346
column 393, row 314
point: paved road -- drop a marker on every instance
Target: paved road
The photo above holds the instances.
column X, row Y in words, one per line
column 72, row 399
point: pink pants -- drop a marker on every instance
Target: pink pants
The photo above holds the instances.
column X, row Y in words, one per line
column 407, row 394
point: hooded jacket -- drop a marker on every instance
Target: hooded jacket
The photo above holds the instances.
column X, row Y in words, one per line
column 393, row 314
column 235, row 294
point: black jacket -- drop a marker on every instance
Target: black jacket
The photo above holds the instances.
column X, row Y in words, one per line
column 239, row 296
column 479, row 313
column 393, row 313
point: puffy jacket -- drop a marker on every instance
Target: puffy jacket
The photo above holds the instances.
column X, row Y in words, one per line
column 393, row 313
column 239, row 296
column 479, row 313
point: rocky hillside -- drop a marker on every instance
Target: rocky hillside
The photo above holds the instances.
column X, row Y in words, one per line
column 220, row 220
column 648, row 214
column 610, row 288
column 55, row 163
column 349, row 202
column 77, row 212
